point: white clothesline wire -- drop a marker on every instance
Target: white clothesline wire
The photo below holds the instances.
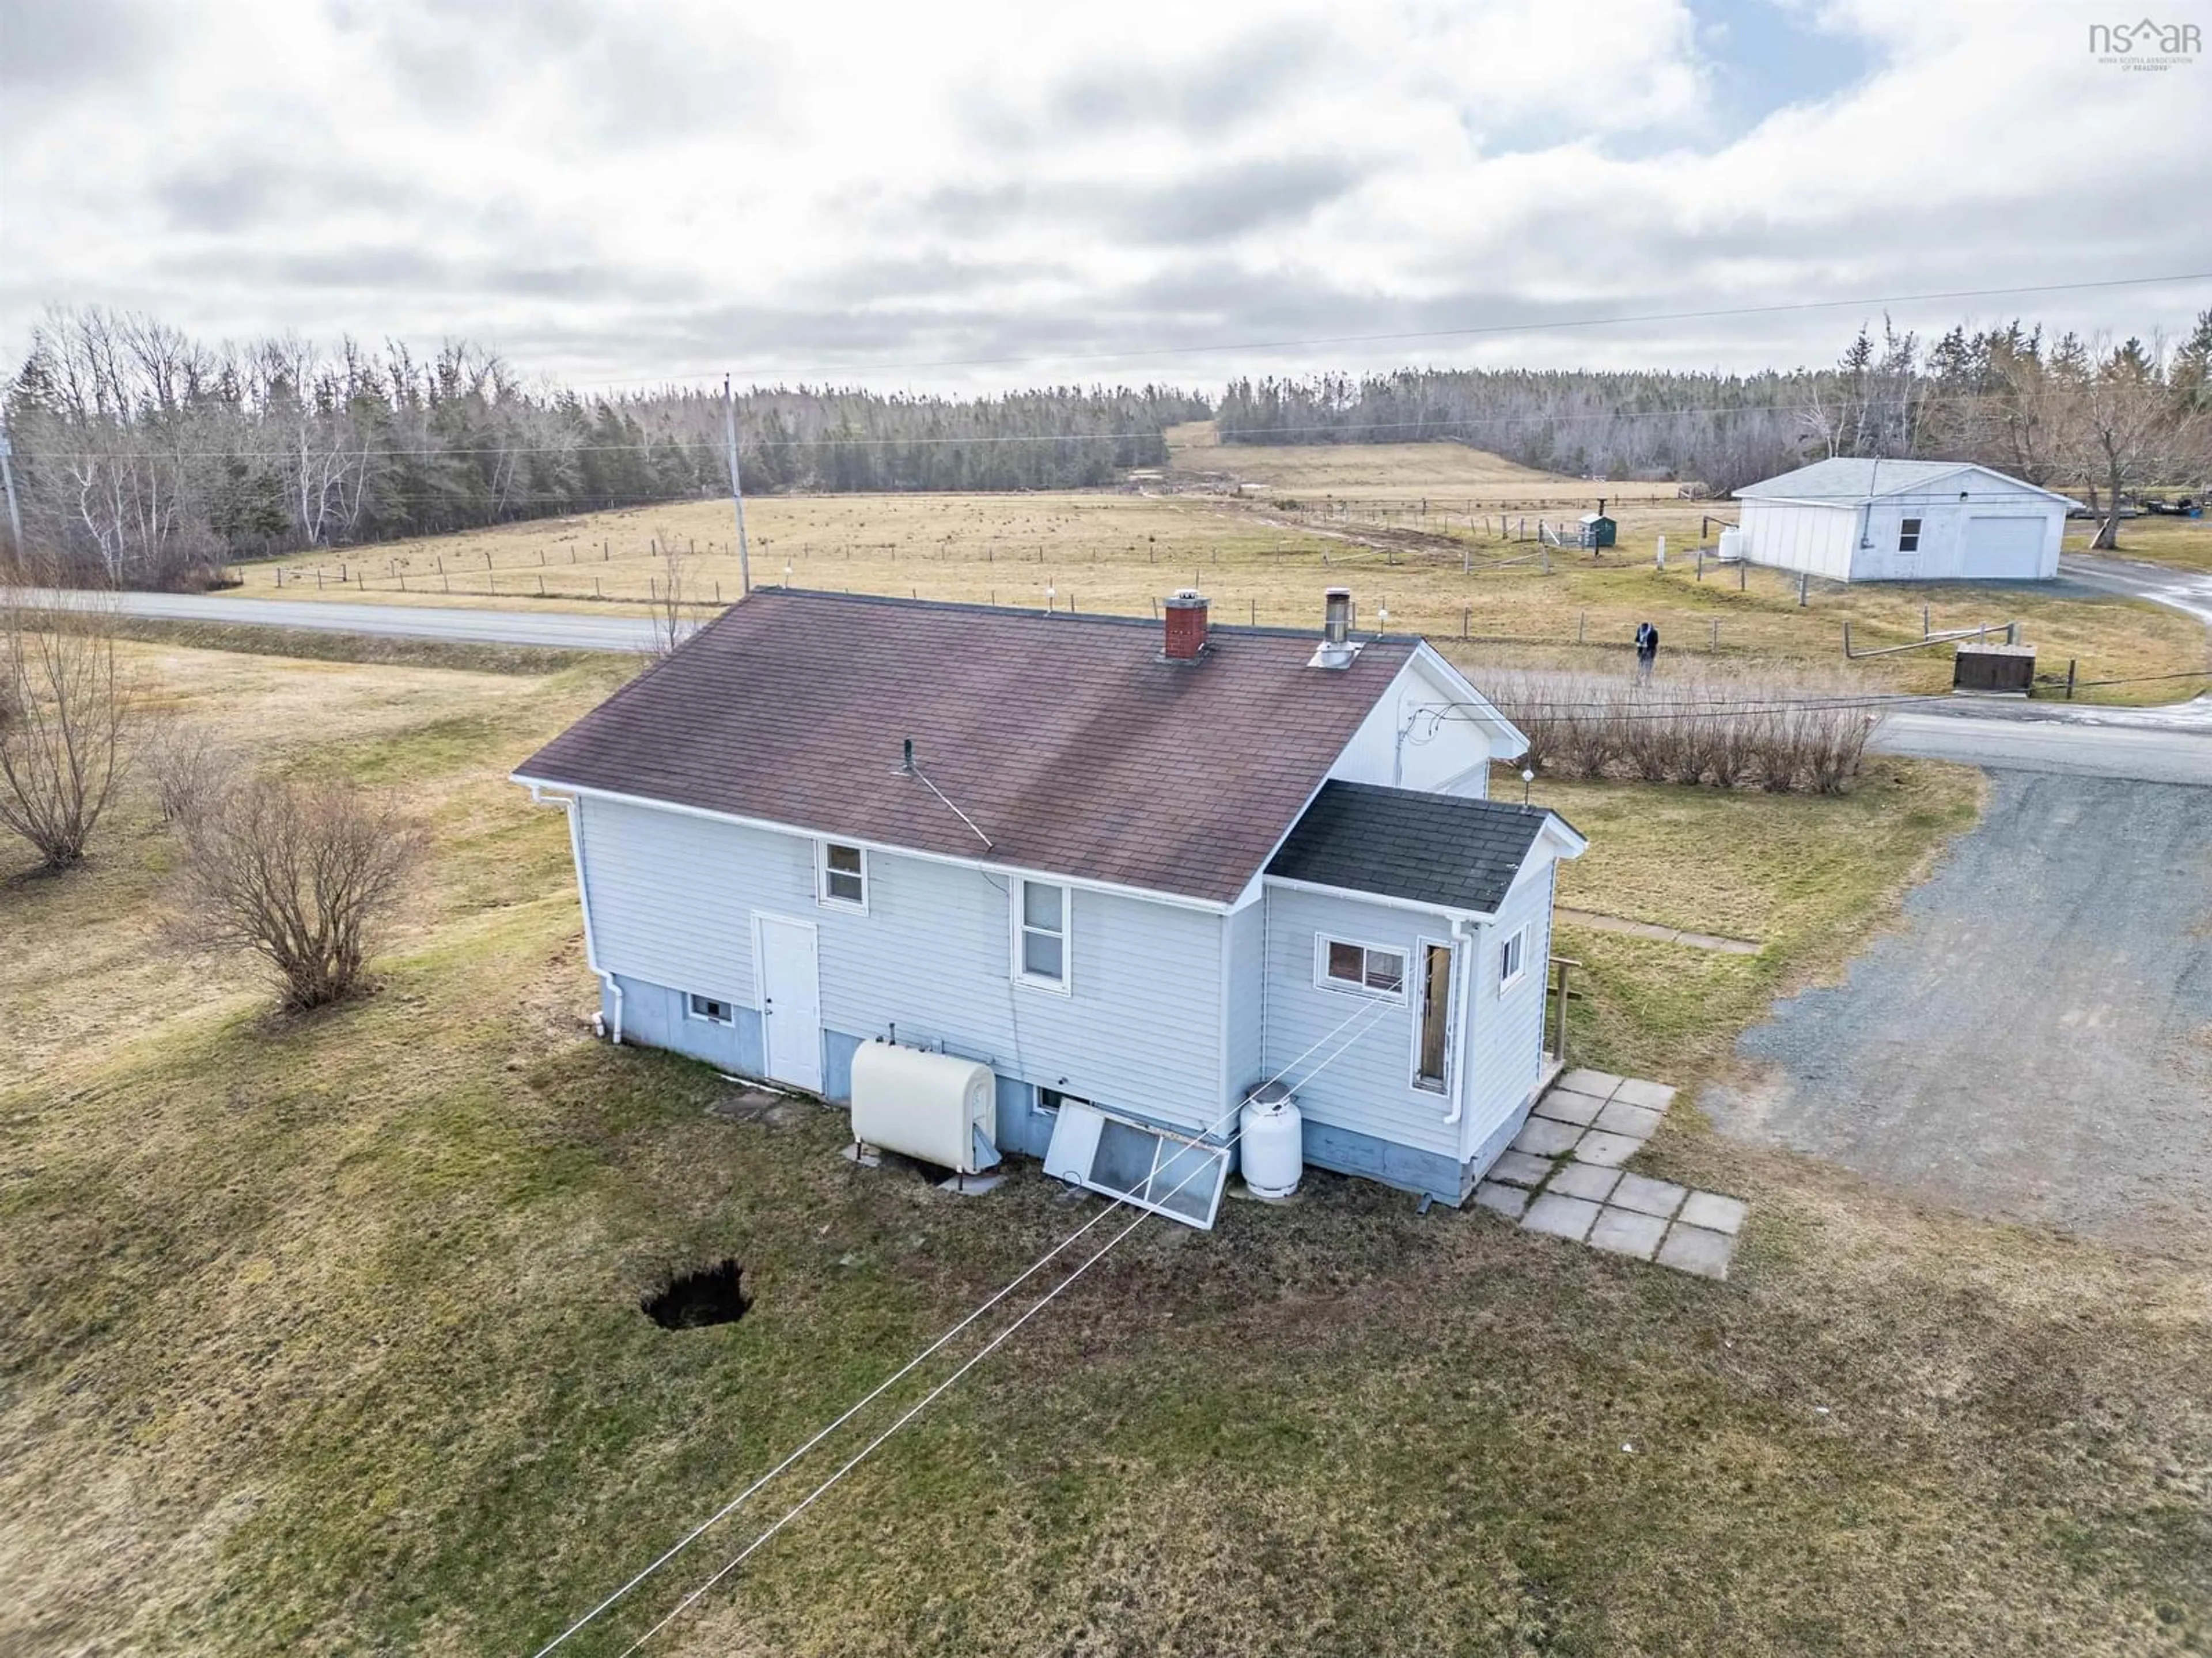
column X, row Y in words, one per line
column 983, row 1352
column 910, row 1366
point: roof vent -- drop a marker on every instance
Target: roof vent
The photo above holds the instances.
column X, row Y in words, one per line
column 1185, row 626
column 1337, row 649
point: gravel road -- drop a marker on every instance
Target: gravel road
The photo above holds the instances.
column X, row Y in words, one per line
column 2035, row 1043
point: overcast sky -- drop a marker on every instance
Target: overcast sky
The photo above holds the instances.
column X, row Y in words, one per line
column 666, row 188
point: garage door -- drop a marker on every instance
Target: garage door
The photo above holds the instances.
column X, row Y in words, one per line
column 2004, row 547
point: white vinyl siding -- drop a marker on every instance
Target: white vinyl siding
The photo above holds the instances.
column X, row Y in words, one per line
column 1349, row 1055
column 1504, row 1052
column 672, row 897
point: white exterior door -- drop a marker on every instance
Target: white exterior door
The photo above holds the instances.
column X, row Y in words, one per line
column 790, row 981
column 2009, row 547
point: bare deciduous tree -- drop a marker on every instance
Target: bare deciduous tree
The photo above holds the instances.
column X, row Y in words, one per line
column 671, row 626
column 304, row 874
column 66, row 709
column 2127, row 427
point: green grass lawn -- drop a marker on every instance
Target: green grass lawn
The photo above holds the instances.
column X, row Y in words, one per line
column 323, row 1335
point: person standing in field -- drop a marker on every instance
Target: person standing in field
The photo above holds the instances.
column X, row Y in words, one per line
column 1647, row 649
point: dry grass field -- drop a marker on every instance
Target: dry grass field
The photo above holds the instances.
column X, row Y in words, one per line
column 2184, row 542
column 323, row 1334
column 1259, row 560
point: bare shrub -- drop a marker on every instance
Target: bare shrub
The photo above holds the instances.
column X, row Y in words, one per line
column 304, row 874
column 1719, row 729
column 66, row 710
column 188, row 767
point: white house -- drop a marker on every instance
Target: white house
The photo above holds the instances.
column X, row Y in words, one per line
column 1135, row 871
column 1903, row 520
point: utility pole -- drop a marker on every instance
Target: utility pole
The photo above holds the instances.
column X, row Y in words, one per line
column 737, row 489
column 14, row 516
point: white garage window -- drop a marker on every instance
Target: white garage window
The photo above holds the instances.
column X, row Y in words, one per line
column 1908, row 536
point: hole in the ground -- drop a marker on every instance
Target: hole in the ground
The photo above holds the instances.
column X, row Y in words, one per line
column 712, row 1295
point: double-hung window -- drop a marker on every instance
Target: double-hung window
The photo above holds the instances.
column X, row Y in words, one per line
column 1510, row 960
column 1040, row 933
column 842, row 874
column 1908, row 536
column 1344, row 965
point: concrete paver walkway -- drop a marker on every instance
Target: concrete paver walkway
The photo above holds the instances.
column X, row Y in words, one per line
column 1562, row 1177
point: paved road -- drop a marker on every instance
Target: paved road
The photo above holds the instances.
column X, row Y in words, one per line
column 2160, row 746
column 2188, row 591
column 559, row 630
column 2174, row 751
column 2036, row 1043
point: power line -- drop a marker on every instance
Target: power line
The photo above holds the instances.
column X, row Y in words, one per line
column 1372, row 1016
column 730, row 1508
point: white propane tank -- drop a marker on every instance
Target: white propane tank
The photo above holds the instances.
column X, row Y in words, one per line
column 1272, row 1138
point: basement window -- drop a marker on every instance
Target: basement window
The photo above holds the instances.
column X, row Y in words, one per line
column 844, row 872
column 1343, row 964
column 1908, row 536
column 711, row 1009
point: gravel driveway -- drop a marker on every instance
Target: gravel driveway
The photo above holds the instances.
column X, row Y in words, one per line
column 2035, row 1043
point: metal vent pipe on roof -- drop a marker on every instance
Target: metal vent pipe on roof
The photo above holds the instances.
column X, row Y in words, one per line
column 1336, row 617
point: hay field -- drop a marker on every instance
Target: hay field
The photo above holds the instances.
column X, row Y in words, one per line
column 1120, row 552
column 1443, row 472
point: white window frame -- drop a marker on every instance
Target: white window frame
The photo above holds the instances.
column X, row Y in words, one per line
column 1018, row 928
column 822, row 895
column 1324, row 980
column 1916, row 528
column 693, row 998
column 1443, row 1085
column 1515, row 945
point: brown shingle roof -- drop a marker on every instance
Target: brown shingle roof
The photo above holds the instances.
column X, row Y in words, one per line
column 1069, row 741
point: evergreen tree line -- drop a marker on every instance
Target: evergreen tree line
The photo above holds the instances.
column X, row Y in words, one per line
column 144, row 458
column 2061, row 411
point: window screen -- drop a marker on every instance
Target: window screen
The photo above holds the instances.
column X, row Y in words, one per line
column 1151, row 1168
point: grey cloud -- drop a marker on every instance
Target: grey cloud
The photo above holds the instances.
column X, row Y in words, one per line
column 66, row 46
column 1206, row 98
column 1208, row 205
column 226, row 196
column 625, row 76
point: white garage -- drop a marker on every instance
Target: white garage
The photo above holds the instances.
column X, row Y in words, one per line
column 1903, row 520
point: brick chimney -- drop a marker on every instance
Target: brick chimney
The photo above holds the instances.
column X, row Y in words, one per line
column 1185, row 626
